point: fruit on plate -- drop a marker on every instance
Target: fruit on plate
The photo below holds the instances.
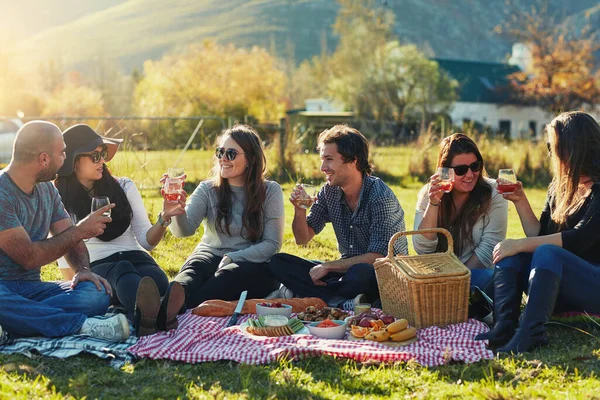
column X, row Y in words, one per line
column 403, row 335
column 271, row 305
column 397, row 326
column 378, row 336
column 359, row 331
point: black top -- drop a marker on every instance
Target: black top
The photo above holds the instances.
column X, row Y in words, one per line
column 581, row 232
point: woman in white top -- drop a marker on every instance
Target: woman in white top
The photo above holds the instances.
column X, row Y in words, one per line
column 473, row 211
column 242, row 215
column 120, row 254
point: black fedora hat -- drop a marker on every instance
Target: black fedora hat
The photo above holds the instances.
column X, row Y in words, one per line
column 82, row 138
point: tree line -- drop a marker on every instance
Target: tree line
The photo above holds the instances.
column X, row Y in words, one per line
column 371, row 72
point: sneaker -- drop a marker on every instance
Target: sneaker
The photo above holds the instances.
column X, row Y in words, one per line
column 347, row 305
column 361, row 299
column 112, row 328
column 281, row 293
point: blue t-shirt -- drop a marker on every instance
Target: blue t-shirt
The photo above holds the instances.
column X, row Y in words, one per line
column 34, row 212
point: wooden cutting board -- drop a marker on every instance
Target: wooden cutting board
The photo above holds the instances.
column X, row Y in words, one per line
column 387, row 342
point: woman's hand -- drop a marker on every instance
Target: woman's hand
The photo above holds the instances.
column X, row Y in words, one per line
column 517, row 195
column 172, row 209
column 435, row 190
column 225, row 261
column 506, row 248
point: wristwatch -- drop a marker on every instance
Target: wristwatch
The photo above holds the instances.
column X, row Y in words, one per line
column 162, row 222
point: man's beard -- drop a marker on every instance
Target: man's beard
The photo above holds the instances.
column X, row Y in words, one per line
column 46, row 175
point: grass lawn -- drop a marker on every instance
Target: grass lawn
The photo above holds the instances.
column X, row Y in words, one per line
column 568, row 368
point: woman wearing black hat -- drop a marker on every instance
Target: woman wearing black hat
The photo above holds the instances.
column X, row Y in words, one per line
column 120, row 253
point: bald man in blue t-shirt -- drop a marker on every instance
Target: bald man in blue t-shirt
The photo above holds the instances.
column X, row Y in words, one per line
column 30, row 209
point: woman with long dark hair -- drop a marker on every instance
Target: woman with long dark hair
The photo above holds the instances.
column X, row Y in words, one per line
column 120, row 254
column 473, row 211
column 243, row 223
column 557, row 264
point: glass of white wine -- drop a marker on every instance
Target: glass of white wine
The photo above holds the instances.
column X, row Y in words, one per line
column 99, row 202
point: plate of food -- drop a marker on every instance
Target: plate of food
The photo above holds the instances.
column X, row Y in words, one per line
column 274, row 326
column 389, row 331
column 314, row 314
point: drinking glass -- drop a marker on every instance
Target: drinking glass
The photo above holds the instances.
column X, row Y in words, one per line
column 446, row 176
column 507, row 181
column 173, row 184
column 99, row 202
column 307, row 196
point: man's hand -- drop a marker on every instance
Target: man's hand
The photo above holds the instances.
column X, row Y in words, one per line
column 95, row 223
column 317, row 273
column 87, row 275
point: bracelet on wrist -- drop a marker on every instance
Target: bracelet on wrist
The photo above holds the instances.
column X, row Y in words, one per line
column 434, row 204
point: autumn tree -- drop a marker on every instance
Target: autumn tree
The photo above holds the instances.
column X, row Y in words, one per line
column 212, row 79
column 73, row 98
column 376, row 76
column 562, row 74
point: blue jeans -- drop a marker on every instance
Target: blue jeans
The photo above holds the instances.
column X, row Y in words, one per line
column 580, row 279
column 51, row 309
column 481, row 278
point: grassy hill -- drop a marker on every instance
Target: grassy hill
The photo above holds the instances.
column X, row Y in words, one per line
column 128, row 32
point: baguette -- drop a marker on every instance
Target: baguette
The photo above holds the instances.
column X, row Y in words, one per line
column 222, row 308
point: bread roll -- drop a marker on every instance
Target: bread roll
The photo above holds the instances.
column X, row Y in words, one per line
column 222, row 308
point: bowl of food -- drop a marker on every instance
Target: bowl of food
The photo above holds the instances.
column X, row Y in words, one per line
column 274, row 308
column 328, row 329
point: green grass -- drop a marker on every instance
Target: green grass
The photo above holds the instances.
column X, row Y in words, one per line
column 568, row 368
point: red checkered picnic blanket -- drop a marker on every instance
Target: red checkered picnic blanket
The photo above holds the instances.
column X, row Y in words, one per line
column 200, row 339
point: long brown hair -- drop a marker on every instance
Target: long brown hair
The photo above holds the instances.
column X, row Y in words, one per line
column 574, row 144
column 478, row 203
column 256, row 191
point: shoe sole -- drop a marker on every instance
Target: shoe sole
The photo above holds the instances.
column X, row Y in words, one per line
column 148, row 303
column 174, row 304
column 124, row 324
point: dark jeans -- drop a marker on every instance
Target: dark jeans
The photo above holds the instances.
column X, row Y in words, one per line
column 124, row 270
column 202, row 282
column 293, row 272
column 51, row 309
column 580, row 279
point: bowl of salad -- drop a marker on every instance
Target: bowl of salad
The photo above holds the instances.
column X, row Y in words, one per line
column 273, row 308
column 328, row 329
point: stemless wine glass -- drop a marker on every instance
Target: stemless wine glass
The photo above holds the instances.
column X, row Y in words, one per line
column 173, row 184
column 507, row 181
column 307, row 196
column 446, row 176
column 99, row 202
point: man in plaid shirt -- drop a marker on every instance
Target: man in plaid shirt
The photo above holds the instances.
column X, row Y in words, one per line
column 364, row 213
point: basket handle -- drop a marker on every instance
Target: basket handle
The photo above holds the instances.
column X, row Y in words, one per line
column 420, row 232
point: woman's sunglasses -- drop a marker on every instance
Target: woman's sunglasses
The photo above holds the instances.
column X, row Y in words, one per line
column 96, row 156
column 230, row 154
column 460, row 170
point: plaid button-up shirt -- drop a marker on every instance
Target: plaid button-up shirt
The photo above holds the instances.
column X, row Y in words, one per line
column 369, row 228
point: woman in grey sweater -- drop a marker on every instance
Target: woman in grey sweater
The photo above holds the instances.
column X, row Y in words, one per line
column 242, row 215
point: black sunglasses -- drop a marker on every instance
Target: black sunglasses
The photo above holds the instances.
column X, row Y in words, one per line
column 460, row 170
column 96, row 156
column 230, row 154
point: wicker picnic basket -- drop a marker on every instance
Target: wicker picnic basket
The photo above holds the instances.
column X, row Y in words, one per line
column 427, row 289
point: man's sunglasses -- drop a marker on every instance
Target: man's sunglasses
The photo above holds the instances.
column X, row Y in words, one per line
column 230, row 154
column 460, row 170
column 96, row 156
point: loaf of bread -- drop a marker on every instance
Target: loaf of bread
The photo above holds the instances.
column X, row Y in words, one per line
column 222, row 308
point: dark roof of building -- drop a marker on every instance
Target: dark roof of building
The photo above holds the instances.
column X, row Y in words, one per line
column 480, row 82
